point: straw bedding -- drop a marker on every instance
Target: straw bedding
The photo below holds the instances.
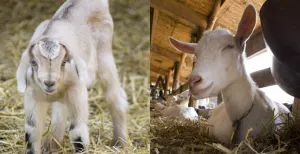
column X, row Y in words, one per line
column 185, row 136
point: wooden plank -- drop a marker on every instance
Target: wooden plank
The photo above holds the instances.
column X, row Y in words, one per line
column 177, row 9
column 159, row 70
column 165, row 53
column 255, row 44
column 221, row 11
column 263, row 78
column 153, row 25
column 296, row 107
column 160, row 63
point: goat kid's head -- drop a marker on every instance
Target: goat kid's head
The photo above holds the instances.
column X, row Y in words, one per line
column 218, row 56
column 47, row 60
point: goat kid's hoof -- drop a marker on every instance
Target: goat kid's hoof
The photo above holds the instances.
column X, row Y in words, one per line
column 121, row 143
column 47, row 148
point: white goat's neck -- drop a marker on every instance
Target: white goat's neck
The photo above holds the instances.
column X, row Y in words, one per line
column 239, row 96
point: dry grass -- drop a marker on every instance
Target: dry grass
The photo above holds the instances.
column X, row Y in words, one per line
column 185, row 136
column 18, row 19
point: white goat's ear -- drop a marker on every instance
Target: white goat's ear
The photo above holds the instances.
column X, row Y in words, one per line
column 246, row 25
column 184, row 47
column 22, row 71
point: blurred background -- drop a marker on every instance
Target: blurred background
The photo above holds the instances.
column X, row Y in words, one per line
column 18, row 19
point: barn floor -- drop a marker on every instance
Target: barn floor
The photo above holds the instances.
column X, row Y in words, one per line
column 18, row 20
column 181, row 136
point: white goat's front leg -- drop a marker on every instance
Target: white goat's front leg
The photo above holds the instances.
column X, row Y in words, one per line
column 114, row 95
column 77, row 105
column 35, row 113
column 59, row 119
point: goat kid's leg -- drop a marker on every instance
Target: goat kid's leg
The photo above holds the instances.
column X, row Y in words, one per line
column 35, row 113
column 114, row 95
column 77, row 105
column 59, row 119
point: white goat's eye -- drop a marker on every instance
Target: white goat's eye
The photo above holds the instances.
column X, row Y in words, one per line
column 33, row 63
column 229, row 46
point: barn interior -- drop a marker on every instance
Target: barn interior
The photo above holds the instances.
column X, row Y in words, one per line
column 186, row 20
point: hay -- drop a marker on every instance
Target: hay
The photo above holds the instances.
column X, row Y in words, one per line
column 18, row 19
column 185, row 136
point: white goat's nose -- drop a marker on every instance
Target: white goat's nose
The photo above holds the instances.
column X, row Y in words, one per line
column 49, row 83
column 194, row 80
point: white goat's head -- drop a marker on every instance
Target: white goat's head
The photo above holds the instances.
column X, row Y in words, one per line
column 48, row 59
column 218, row 56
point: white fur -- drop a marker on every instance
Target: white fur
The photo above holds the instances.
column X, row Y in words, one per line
column 85, row 29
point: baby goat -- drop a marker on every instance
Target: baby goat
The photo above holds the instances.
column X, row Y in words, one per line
column 60, row 63
column 219, row 67
column 178, row 109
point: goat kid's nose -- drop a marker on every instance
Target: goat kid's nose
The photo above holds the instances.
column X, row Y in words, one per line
column 194, row 80
column 49, row 83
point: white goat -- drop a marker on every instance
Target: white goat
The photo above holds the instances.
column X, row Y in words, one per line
column 219, row 67
column 61, row 61
column 180, row 110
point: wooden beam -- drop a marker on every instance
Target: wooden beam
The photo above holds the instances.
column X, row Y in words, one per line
column 296, row 107
column 263, row 78
column 213, row 16
column 177, row 9
column 165, row 53
column 159, row 70
column 153, row 25
column 255, row 44
column 220, row 11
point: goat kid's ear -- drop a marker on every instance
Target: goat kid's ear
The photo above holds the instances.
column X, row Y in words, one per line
column 22, row 71
column 184, row 47
column 246, row 25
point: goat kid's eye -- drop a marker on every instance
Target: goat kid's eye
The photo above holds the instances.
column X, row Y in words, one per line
column 64, row 63
column 33, row 63
column 229, row 46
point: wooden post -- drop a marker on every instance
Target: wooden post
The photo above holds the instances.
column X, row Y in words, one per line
column 176, row 77
column 166, row 85
column 159, row 82
column 191, row 101
column 219, row 98
column 296, row 107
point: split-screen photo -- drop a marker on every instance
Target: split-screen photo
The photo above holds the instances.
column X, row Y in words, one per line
column 149, row 76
